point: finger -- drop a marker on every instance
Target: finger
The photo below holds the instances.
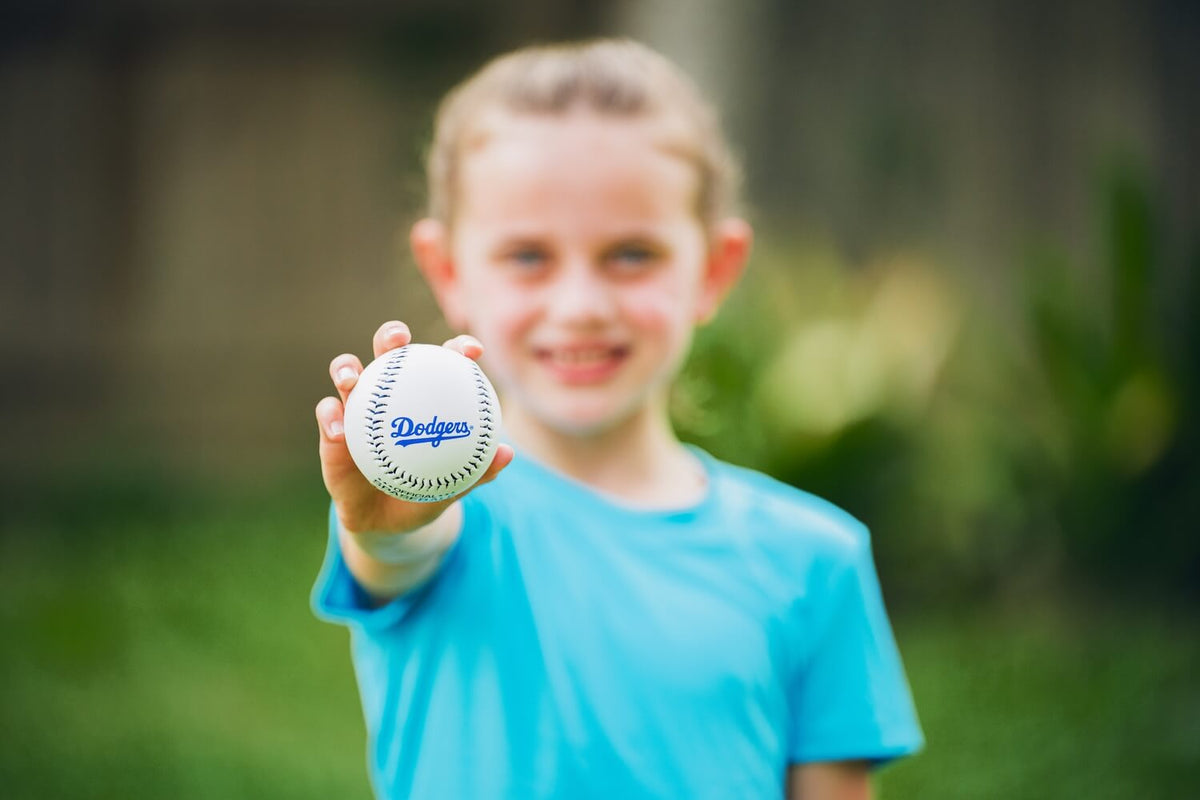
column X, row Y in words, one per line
column 338, row 470
column 390, row 336
column 504, row 456
column 329, row 420
column 344, row 370
column 468, row 345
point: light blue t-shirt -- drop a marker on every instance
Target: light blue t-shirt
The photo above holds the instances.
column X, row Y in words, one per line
column 571, row 647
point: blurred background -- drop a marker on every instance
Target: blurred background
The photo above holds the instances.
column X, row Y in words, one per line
column 971, row 319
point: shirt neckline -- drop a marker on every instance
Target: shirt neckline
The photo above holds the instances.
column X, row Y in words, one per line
column 610, row 504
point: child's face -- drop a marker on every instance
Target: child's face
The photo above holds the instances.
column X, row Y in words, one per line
column 578, row 259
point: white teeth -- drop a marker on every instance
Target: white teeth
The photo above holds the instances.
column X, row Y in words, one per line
column 581, row 357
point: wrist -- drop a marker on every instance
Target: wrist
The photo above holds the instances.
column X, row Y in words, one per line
column 407, row 548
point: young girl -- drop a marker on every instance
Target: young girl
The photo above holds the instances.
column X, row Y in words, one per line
column 609, row 613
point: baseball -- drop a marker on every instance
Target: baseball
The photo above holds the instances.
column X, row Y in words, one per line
column 422, row 423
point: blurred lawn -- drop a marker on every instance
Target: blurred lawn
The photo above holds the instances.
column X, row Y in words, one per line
column 168, row 651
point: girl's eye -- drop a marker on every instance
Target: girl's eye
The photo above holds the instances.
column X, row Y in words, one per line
column 631, row 258
column 527, row 258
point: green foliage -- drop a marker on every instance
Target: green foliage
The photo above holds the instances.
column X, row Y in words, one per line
column 1116, row 399
column 990, row 452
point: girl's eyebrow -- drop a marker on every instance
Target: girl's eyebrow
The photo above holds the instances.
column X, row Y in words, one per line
column 508, row 244
column 606, row 238
column 638, row 235
column 519, row 235
column 524, row 244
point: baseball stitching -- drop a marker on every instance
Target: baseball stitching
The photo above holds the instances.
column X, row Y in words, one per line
column 376, row 413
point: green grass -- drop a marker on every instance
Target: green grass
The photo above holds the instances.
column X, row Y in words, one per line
column 1047, row 703
column 174, row 655
column 168, row 658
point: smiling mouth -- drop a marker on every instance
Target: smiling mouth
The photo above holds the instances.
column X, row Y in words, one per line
column 576, row 365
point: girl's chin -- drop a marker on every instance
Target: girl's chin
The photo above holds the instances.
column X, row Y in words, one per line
column 581, row 426
column 584, row 420
column 579, row 411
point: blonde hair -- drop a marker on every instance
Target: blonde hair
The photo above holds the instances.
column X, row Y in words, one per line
column 613, row 77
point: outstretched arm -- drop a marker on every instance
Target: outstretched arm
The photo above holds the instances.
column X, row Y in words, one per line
column 389, row 545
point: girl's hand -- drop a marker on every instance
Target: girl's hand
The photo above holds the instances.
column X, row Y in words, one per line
column 361, row 508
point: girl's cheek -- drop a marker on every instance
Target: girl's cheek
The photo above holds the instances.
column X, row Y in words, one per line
column 655, row 308
column 502, row 321
column 503, row 312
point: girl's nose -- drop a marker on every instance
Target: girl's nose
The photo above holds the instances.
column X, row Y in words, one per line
column 581, row 297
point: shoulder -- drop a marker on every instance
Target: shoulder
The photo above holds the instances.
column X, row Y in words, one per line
column 786, row 516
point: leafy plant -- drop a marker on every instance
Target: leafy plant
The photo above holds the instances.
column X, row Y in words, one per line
column 986, row 456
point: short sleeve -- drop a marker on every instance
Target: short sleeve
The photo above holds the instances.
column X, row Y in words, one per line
column 849, row 695
column 337, row 597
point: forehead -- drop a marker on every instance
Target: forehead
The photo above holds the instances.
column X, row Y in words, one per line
column 581, row 164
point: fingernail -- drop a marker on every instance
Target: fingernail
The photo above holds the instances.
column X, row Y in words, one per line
column 394, row 330
column 335, row 428
column 346, row 373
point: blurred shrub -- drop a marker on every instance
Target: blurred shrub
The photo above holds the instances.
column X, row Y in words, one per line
column 990, row 449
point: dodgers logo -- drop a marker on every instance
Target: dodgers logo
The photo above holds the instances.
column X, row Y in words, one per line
column 433, row 433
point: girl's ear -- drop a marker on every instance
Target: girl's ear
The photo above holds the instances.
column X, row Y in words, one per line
column 430, row 242
column 728, row 250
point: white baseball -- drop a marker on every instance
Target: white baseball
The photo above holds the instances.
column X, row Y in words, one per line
column 422, row 423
